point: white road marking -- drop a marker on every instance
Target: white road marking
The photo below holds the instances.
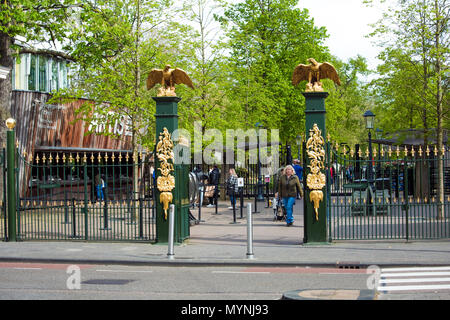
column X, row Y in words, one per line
column 415, row 288
column 414, row 279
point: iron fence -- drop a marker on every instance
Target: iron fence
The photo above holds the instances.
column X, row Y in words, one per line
column 391, row 195
column 88, row 197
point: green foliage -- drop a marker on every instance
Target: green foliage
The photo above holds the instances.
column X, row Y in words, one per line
column 267, row 40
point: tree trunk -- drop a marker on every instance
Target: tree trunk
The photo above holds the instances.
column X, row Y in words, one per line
column 6, row 60
column 439, row 113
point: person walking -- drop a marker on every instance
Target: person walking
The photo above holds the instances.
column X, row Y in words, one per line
column 99, row 187
column 288, row 186
column 214, row 179
column 232, row 187
column 299, row 172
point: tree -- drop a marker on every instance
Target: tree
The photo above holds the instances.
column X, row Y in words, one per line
column 416, row 34
column 115, row 45
column 267, row 40
column 28, row 21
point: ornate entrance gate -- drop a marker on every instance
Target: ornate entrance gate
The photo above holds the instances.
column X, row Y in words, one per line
column 392, row 196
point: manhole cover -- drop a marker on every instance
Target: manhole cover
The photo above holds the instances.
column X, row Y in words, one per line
column 119, row 282
column 329, row 294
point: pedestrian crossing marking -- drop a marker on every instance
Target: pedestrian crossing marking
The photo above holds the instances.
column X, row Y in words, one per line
column 414, row 279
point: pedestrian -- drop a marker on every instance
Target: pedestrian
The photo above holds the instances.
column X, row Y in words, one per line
column 99, row 187
column 299, row 172
column 287, row 189
column 232, row 187
column 214, row 179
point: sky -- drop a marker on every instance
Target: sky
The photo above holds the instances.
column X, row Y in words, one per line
column 347, row 23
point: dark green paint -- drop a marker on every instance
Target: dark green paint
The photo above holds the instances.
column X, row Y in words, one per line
column 315, row 231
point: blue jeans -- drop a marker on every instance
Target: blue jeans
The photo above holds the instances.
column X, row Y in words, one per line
column 233, row 200
column 289, row 205
column 100, row 193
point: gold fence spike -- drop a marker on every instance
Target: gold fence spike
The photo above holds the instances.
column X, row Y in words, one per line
column 64, row 158
column 443, row 150
column 37, row 159
column 92, row 158
column 140, row 155
column 382, row 152
column 412, row 151
column 398, row 151
column 328, row 137
column 336, row 146
column 352, row 152
column 390, row 151
column 360, row 153
column 50, row 159
column 406, row 151
column 57, row 158
column 367, row 153
column 127, row 157
column 375, row 152
column 428, row 151
column 70, row 157
column 120, row 157
column 435, row 151
column 99, row 157
column 44, row 159
column 84, row 158
column 113, row 157
column 78, row 158
column 420, row 151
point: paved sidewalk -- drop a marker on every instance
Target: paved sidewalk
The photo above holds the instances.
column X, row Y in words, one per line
column 216, row 240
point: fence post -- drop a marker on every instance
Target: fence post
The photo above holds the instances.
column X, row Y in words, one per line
column 170, row 253
column 11, row 184
column 86, row 221
column 249, row 232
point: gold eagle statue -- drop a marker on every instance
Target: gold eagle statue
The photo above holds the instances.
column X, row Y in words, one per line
column 168, row 78
column 313, row 73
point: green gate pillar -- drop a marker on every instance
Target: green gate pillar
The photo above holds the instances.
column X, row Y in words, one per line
column 315, row 228
column 167, row 117
column 11, row 181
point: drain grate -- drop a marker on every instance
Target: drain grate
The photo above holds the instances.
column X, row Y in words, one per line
column 119, row 282
column 348, row 265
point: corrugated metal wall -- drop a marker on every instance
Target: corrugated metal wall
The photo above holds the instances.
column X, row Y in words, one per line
column 43, row 126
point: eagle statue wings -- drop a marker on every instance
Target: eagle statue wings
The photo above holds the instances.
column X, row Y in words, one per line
column 313, row 73
column 168, row 78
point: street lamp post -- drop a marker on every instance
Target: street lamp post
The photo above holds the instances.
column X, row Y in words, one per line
column 298, row 140
column 370, row 117
column 379, row 135
column 259, row 196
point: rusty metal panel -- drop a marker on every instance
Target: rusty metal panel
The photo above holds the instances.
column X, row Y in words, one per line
column 40, row 124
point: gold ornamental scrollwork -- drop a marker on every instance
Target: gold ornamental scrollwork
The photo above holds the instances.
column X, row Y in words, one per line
column 316, row 180
column 166, row 182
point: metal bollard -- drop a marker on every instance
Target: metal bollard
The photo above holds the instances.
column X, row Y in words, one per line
column 170, row 253
column 249, row 232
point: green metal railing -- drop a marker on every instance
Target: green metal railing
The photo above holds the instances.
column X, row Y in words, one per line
column 399, row 201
